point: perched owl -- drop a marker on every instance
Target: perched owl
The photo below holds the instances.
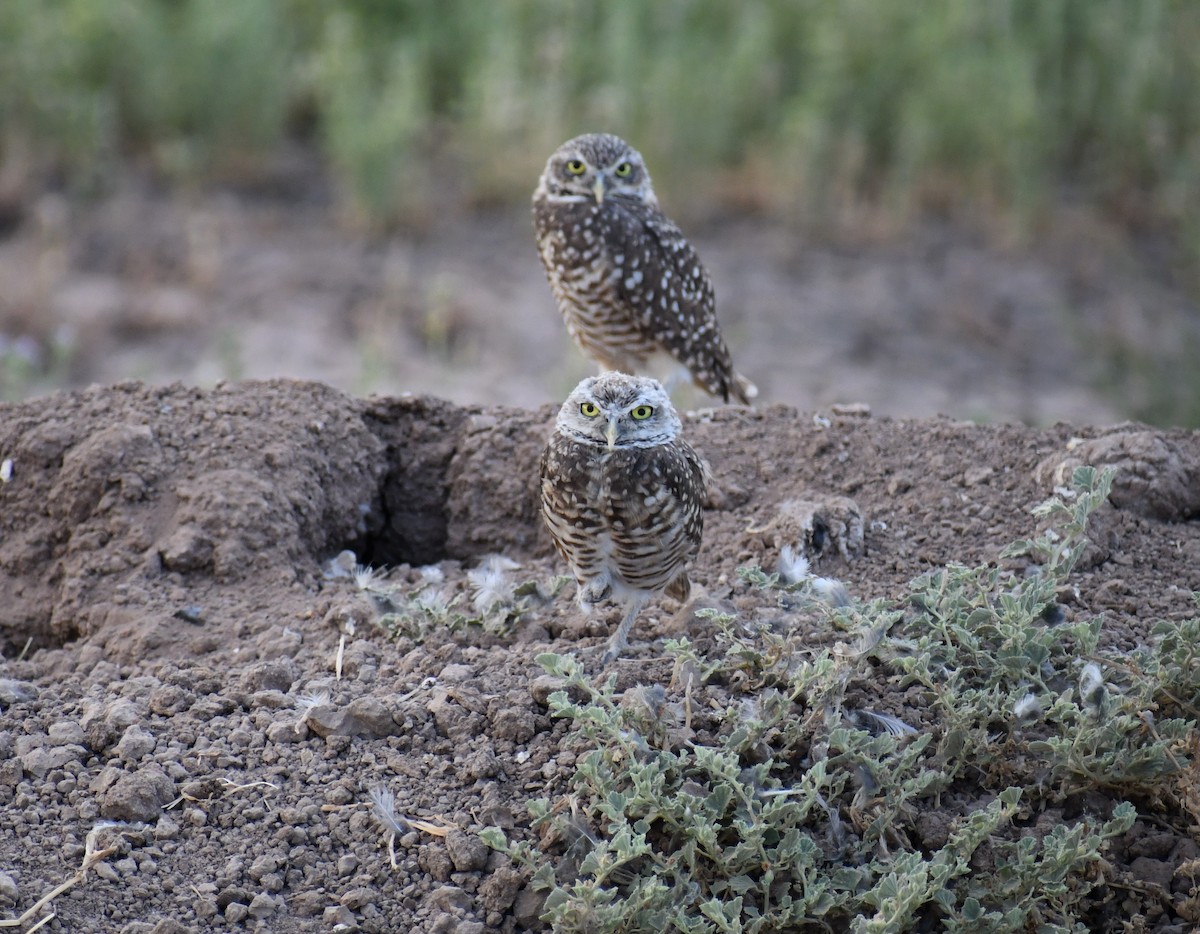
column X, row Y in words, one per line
column 621, row 494
column 629, row 285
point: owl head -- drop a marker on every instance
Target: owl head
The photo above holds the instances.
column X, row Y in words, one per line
column 596, row 167
column 614, row 410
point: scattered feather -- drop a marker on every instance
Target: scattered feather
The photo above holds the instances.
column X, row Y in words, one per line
column 306, row 703
column 364, row 576
column 1027, row 708
column 489, row 584
column 831, row 591
column 793, row 566
column 1091, row 686
column 893, row 725
column 383, row 802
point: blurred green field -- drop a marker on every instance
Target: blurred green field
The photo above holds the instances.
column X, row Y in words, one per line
column 796, row 106
column 857, row 116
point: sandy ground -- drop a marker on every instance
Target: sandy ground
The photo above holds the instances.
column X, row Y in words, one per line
column 179, row 659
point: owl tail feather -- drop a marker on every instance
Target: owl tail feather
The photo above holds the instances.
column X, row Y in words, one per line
column 742, row 389
column 680, row 588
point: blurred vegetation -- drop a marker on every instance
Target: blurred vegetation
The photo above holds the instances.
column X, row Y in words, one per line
column 797, row 104
column 829, row 114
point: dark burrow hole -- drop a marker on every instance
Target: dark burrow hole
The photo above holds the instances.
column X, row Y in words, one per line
column 411, row 531
column 408, row 523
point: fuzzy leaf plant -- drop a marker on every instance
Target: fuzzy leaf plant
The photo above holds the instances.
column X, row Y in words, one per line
column 806, row 805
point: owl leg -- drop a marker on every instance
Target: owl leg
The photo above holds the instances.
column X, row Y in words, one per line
column 593, row 591
column 620, row 639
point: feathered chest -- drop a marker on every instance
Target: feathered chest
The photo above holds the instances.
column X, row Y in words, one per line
column 587, row 246
column 623, row 489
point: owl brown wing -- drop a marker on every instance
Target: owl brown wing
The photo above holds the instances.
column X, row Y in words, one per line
column 564, row 506
column 672, row 297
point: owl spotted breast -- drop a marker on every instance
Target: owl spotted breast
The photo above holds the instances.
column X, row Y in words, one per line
column 621, row 495
column 628, row 283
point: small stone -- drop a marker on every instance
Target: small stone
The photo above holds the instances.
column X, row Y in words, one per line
column 450, row 898
column 482, row 763
column 307, row 904
column 500, row 888
column 527, row 908
column 65, row 732
column 456, row 674
column 11, row 772
column 973, row 476
column 347, row 864
column 467, row 851
column 135, row 744
column 365, row 716
column 166, row 829
column 270, row 698
column 169, row 926
column 541, row 687
column 137, row 796
column 232, row 893
column 9, row 893
column 287, row 731
column 262, row 865
column 262, row 906
column 434, row 859
column 375, row 719
column 206, row 909
column 37, row 762
column 236, row 912
column 340, row 918
column 16, row 692
column 278, row 674
column 188, row 549
column 357, row 899
column 1155, row 871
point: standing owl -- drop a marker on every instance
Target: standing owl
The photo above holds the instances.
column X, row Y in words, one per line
column 621, row 494
column 629, row 285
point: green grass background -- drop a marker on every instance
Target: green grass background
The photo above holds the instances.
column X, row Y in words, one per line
column 804, row 109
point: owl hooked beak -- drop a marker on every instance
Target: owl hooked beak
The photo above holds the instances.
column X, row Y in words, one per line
column 598, row 189
column 611, row 433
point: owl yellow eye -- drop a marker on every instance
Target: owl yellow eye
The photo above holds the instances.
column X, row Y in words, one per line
column 624, row 170
column 575, row 166
column 642, row 412
column 589, row 409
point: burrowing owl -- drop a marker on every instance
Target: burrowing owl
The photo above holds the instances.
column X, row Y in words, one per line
column 627, row 282
column 621, row 494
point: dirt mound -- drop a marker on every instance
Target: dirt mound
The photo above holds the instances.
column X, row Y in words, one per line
column 182, row 655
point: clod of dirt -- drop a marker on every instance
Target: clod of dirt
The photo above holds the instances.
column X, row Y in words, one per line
column 133, row 796
column 812, row 527
column 1157, row 473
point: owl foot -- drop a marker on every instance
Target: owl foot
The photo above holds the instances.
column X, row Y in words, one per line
column 620, row 639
